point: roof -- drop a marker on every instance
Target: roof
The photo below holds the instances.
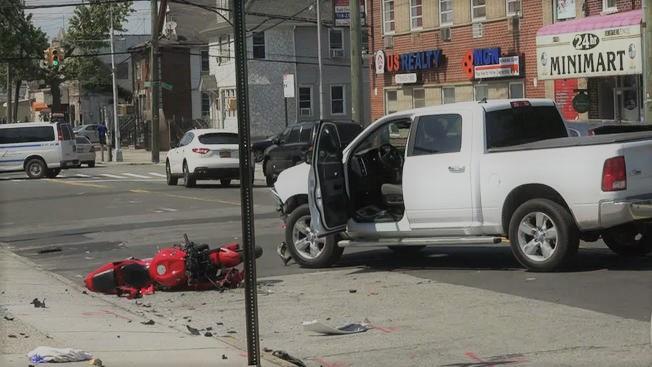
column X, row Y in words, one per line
column 622, row 19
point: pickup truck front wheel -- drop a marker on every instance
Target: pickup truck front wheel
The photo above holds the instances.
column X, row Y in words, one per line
column 307, row 250
column 629, row 239
column 543, row 235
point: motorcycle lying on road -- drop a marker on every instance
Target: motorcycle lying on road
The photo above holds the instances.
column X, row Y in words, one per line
column 181, row 267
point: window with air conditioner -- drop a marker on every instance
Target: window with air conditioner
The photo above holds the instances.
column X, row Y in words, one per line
column 513, row 8
column 391, row 101
column 305, row 101
column 416, row 14
column 259, row 45
column 478, row 10
column 445, row 12
column 338, row 104
column 336, row 42
column 388, row 17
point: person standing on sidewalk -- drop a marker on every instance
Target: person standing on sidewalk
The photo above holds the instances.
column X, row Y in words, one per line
column 101, row 133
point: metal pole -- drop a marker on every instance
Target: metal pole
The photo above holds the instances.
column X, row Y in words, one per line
column 321, row 81
column 154, row 84
column 647, row 61
column 117, row 156
column 285, row 102
column 246, row 195
column 9, row 88
column 356, row 61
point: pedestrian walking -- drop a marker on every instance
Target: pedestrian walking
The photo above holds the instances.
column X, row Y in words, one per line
column 101, row 133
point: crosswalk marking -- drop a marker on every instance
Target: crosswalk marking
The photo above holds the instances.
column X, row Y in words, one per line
column 135, row 175
column 111, row 176
column 157, row 174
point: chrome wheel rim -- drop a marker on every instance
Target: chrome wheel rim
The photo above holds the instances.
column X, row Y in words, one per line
column 306, row 242
column 537, row 236
column 35, row 169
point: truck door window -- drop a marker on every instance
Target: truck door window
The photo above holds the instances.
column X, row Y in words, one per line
column 438, row 134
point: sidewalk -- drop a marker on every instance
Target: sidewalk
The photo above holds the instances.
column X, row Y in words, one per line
column 111, row 333
column 131, row 156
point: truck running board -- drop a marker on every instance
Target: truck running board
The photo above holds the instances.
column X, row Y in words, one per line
column 421, row 241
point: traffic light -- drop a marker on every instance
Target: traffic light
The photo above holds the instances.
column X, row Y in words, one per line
column 54, row 58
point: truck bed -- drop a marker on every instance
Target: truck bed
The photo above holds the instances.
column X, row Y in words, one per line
column 576, row 142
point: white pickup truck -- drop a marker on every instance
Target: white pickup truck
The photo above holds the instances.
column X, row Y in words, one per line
column 470, row 173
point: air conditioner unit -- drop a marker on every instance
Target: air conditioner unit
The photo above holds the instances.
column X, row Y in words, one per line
column 337, row 53
column 445, row 34
column 478, row 30
column 305, row 111
column 388, row 42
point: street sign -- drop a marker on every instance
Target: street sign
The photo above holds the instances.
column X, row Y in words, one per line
column 288, row 85
column 405, row 78
column 581, row 103
column 343, row 13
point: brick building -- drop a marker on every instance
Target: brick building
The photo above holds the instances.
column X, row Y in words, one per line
column 429, row 52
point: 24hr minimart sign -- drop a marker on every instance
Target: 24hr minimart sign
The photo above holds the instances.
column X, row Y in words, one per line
column 603, row 52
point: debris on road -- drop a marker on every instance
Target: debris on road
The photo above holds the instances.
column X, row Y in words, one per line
column 57, row 355
column 353, row 291
column 96, row 362
column 321, row 328
column 224, row 356
column 192, row 330
column 9, row 318
column 37, row 303
column 282, row 251
column 50, row 250
column 12, row 336
column 148, row 322
column 287, row 357
column 208, row 334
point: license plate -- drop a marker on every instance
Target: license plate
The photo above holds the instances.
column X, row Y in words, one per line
column 225, row 154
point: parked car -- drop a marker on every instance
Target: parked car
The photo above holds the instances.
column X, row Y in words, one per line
column 590, row 128
column 470, row 173
column 204, row 154
column 259, row 147
column 41, row 149
column 85, row 151
column 89, row 131
column 291, row 146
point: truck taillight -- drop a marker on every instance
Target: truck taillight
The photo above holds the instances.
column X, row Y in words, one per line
column 614, row 174
column 200, row 150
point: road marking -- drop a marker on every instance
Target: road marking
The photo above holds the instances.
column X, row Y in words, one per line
column 111, row 176
column 77, row 183
column 168, row 209
column 82, row 175
column 157, row 174
column 141, row 191
column 135, row 175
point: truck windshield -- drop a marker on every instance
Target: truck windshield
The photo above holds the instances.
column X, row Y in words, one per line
column 522, row 125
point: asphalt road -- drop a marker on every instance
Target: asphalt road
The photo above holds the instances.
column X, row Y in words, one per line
column 97, row 215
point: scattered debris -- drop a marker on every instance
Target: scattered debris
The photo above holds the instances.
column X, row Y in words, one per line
column 209, row 328
column 50, row 250
column 96, row 362
column 9, row 318
column 49, row 354
column 84, row 292
column 37, row 303
column 232, row 332
column 530, row 279
column 148, row 322
column 208, row 334
column 219, row 323
column 353, row 291
column 224, row 356
column 322, row 328
column 287, row 357
column 282, row 251
column 118, row 336
column 268, row 350
column 192, row 330
column 12, row 336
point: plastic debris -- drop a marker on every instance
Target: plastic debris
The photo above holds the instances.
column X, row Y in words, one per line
column 50, row 250
column 148, row 322
column 321, row 328
column 353, row 291
column 208, row 334
column 287, row 357
column 9, row 318
column 57, row 355
column 282, row 251
column 192, row 330
column 96, row 362
column 37, row 303
column 224, row 356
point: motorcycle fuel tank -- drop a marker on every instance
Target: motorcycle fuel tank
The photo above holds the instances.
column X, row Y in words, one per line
column 168, row 267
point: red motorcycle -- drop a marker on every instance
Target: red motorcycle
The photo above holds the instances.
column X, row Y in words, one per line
column 180, row 267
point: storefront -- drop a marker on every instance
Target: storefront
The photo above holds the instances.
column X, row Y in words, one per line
column 596, row 66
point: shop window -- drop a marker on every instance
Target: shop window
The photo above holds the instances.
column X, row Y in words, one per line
column 513, row 7
column 565, row 9
column 305, row 101
column 391, row 101
column 478, row 10
column 445, row 12
column 448, row 95
column 418, row 97
column 516, row 90
column 259, row 45
column 609, row 6
column 337, row 100
column 481, row 92
column 416, row 14
column 388, row 17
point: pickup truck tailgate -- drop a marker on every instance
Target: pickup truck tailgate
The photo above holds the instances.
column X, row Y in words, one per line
column 638, row 160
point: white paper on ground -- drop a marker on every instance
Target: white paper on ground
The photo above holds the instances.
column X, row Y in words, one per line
column 322, row 328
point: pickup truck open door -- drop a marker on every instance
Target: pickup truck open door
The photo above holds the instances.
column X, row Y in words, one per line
column 327, row 194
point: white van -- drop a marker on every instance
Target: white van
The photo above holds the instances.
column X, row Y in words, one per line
column 41, row 149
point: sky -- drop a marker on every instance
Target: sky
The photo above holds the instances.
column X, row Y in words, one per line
column 52, row 20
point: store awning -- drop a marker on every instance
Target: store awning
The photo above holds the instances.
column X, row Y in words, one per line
column 587, row 24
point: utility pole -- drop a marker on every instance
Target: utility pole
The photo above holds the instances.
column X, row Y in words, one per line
column 647, row 61
column 356, row 62
column 319, row 60
column 117, row 156
column 9, row 89
column 154, row 83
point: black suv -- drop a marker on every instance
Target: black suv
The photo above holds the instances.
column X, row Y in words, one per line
column 290, row 147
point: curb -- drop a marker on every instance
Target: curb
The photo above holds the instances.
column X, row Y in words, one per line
column 234, row 343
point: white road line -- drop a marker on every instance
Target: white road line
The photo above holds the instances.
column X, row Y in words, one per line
column 82, row 175
column 135, row 175
column 157, row 174
column 111, row 176
column 168, row 209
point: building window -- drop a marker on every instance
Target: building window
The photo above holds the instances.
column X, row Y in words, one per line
column 481, row 92
column 336, row 43
column 391, row 101
column 204, row 61
column 305, row 101
column 418, row 97
column 259, row 45
column 513, row 7
column 609, row 6
column 224, row 49
column 205, row 105
column 448, row 95
column 478, row 10
column 565, row 9
column 388, row 16
column 416, row 14
column 445, row 12
column 337, row 100
column 223, row 9
column 516, row 90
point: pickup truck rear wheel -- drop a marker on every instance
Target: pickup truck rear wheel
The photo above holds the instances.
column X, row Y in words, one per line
column 629, row 239
column 307, row 250
column 543, row 235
